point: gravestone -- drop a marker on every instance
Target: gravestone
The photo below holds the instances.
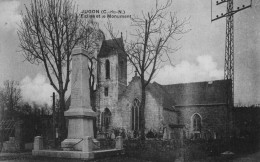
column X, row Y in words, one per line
column 80, row 114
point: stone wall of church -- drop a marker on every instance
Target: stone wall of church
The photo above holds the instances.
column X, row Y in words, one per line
column 125, row 105
column 153, row 110
column 214, row 120
column 122, row 72
column 153, row 113
column 109, row 101
column 170, row 117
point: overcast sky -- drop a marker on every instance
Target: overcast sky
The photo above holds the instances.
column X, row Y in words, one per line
column 200, row 58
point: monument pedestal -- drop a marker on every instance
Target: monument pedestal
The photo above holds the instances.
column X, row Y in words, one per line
column 80, row 125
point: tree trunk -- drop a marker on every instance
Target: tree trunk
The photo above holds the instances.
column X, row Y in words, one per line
column 93, row 106
column 1, row 139
column 62, row 120
column 142, row 115
column 2, row 115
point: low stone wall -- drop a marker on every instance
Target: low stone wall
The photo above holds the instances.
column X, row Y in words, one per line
column 106, row 144
column 191, row 150
column 154, row 150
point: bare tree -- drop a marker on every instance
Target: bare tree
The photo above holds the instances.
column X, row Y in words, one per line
column 10, row 98
column 49, row 30
column 150, row 45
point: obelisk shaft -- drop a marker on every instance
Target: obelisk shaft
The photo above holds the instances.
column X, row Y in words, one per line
column 80, row 97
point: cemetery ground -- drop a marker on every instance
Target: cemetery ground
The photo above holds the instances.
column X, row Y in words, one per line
column 153, row 150
column 27, row 157
column 194, row 151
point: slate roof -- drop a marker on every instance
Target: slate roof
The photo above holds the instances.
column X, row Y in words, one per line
column 190, row 94
column 110, row 45
column 160, row 93
column 199, row 93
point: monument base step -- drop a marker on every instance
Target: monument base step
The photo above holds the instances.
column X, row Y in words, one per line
column 64, row 154
column 77, row 154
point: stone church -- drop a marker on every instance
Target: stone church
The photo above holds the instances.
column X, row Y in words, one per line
column 192, row 110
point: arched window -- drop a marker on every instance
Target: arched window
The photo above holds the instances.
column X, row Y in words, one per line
column 196, row 123
column 136, row 115
column 107, row 69
column 105, row 118
column 106, row 91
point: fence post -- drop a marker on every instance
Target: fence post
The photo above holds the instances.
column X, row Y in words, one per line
column 38, row 143
column 119, row 142
column 181, row 138
column 87, row 144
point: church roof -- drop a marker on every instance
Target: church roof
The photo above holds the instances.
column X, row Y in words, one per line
column 160, row 93
column 190, row 94
column 110, row 45
column 199, row 93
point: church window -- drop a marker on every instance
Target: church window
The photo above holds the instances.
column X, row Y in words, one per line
column 196, row 123
column 107, row 69
column 121, row 67
column 121, row 62
column 106, row 91
column 106, row 118
column 136, row 115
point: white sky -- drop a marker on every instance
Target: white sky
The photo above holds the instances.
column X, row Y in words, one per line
column 200, row 58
